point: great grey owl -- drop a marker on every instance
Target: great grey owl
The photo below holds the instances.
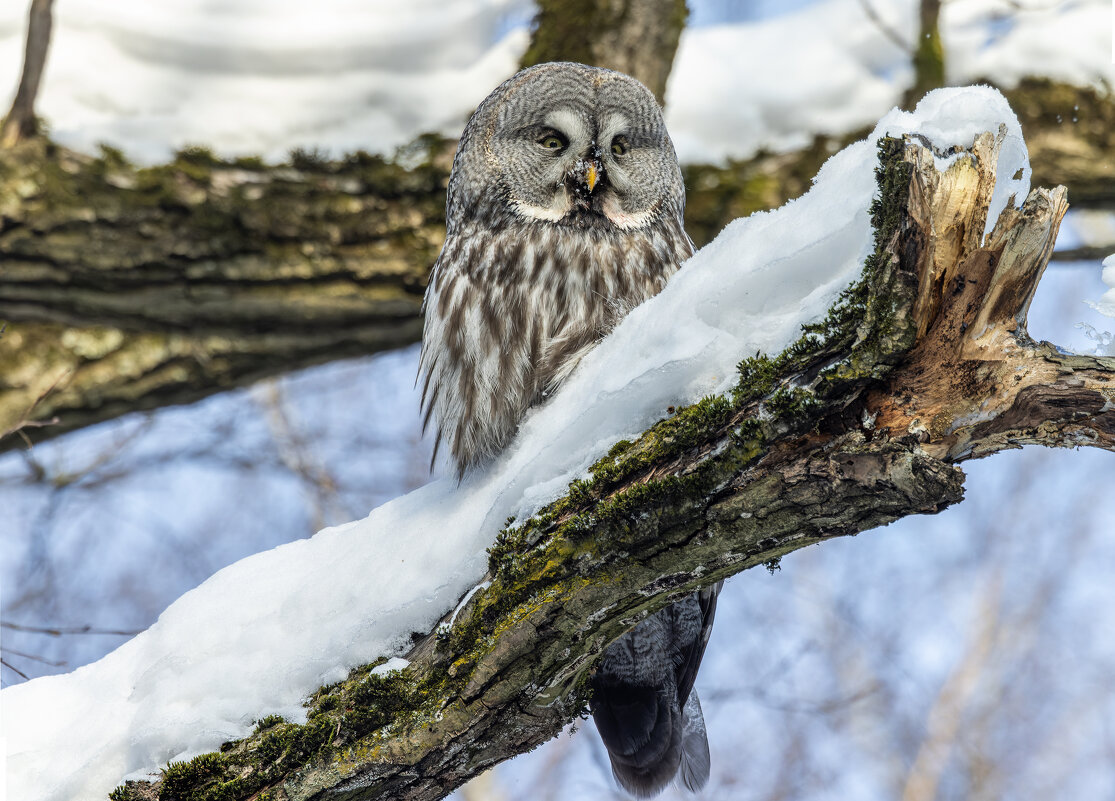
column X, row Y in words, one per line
column 564, row 212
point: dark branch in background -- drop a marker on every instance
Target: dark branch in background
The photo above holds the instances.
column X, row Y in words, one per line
column 638, row 37
column 20, row 122
column 50, row 631
column 13, row 668
column 61, row 631
column 33, row 658
column 1085, row 253
column 923, row 363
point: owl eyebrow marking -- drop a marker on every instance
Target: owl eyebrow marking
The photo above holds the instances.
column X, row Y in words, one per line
column 569, row 122
column 614, row 122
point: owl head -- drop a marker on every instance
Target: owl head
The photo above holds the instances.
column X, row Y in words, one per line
column 569, row 145
column 564, row 212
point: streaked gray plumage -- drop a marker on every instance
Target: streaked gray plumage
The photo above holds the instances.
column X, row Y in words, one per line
column 644, row 704
column 564, row 212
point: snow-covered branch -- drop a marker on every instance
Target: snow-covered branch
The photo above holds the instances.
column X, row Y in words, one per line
column 921, row 362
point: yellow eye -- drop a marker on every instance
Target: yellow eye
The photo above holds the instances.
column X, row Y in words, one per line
column 619, row 147
column 552, row 142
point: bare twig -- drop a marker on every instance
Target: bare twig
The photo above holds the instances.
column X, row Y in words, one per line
column 298, row 457
column 13, row 668
column 946, row 718
column 885, row 28
column 59, row 631
column 34, row 658
column 26, row 421
column 1025, row 7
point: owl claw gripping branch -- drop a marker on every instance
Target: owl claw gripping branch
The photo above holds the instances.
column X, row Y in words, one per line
column 550, row 240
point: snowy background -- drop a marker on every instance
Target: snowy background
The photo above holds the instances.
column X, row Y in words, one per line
column 967, row 655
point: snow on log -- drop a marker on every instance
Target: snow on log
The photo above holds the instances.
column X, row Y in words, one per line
column 892, row 300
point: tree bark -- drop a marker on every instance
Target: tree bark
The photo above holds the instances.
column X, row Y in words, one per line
column 20, row 123
column 924, row 363
column 127, row 289
column 638, row 37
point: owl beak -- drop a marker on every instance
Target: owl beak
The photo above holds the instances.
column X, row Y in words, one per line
column 590, row 176
column 593, row 170
column 585, row 177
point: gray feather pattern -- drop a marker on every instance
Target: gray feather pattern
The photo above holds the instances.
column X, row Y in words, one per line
column 695, row 760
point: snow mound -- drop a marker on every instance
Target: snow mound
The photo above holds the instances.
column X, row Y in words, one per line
column 262, row 634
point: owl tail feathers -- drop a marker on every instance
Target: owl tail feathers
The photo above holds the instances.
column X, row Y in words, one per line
column 650, row 740
column 695, row 760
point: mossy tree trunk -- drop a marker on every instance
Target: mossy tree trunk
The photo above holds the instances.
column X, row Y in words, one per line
column 125, row 289
column 922, row 364
column 928, row 55
column 20, row 123
column 638, row 37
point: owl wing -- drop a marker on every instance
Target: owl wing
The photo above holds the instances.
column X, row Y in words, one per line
column 696, row 762
column 651, row 721
column 689, row 661
column 478, row 345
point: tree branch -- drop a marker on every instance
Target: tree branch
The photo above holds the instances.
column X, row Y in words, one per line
column 886, row 28
column 923, row 363
column 129, row 289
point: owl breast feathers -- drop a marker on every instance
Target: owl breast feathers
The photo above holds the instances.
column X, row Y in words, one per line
column 564, row 212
